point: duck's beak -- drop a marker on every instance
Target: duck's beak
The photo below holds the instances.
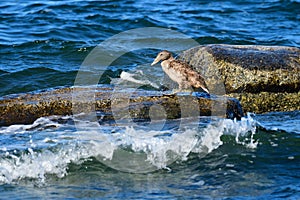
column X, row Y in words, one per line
column 155, row 61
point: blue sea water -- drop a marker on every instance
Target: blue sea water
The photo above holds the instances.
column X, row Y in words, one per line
column 43, row 45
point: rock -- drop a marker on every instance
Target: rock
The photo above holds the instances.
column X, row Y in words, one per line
column 263, row 78
column 110, row 104
column 268, row 101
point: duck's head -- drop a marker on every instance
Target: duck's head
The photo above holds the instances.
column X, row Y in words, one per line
column 164, row 55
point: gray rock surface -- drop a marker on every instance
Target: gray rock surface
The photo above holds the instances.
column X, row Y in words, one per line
column 263, row 78
column 114, row 105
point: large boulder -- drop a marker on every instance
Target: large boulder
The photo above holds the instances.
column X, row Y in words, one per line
column 263, row 78
column 110, row 104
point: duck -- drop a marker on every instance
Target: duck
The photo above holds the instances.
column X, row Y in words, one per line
column 180, row 72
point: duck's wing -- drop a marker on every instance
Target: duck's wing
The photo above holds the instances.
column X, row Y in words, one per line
column 193, row 78
column 196, row 80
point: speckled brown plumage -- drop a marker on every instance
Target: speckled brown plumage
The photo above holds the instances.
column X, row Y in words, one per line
column 180, row 72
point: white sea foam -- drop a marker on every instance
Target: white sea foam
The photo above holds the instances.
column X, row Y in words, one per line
column 139, row 77
column 42, row 122
column 35, row 164
column 126, row 148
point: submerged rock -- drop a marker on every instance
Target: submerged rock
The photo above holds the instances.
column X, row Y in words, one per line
column 263, row 78
column 109, row 104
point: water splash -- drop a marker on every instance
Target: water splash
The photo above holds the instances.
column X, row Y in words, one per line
column 136, row 79
column 36, row 165
column 240, row 129
column 130, row 149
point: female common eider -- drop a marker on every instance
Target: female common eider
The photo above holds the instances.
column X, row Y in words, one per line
column 180, row 72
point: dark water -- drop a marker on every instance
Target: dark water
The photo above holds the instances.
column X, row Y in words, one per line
column 42, row 46
column 50, row 39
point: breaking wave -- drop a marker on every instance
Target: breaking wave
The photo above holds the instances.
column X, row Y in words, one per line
column 51, row 144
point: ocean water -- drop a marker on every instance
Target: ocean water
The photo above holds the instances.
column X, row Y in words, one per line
column 47, row 44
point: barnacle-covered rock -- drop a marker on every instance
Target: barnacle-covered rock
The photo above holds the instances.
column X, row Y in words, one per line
column 263, row 78
column 109, row 104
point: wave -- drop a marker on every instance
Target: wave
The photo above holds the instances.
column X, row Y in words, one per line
column 3, row 72
column 287, row 122
column 45, row 21
column 55, row 144
column 33, row 79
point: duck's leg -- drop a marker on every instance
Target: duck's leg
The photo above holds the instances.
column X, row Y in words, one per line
column 179, row 89
column 173, row 92
column 185, row 87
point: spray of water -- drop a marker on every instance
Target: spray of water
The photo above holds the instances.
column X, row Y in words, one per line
column 128, row 149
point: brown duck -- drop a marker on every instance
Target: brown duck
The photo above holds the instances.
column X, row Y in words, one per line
column 180, row 72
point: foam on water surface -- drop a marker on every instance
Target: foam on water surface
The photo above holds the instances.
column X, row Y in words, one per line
column 48, row 147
